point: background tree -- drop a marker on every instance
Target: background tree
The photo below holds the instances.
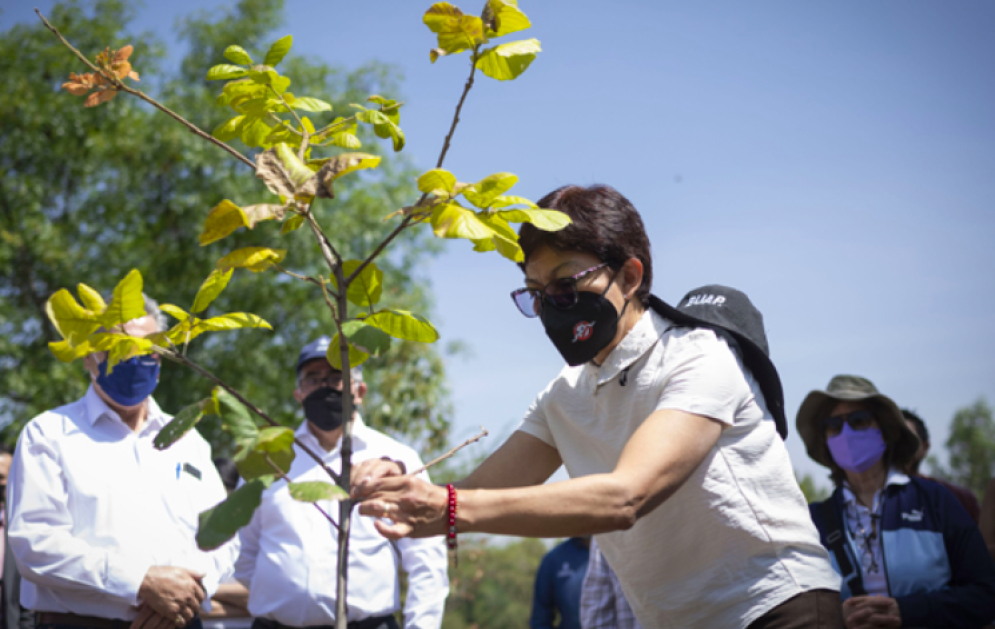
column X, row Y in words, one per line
column 89, row 193
column 813, row 492
column 970, row 448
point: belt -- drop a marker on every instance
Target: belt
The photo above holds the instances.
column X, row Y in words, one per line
column 56, row 618
column 373, row 622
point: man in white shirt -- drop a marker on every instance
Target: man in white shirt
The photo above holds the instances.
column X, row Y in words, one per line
column 289, row 550
column 102, row 524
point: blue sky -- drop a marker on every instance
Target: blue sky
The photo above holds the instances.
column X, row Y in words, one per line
column 835, row 160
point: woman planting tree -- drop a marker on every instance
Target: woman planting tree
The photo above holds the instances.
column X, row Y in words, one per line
column 674, row 458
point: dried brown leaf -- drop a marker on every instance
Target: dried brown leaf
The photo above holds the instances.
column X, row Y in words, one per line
column 133, row 75
column 274, row 175
column 124, row 53
column 76, row 89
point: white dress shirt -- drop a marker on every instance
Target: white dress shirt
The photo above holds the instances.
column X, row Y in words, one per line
column 289, row 551
column 93, row 505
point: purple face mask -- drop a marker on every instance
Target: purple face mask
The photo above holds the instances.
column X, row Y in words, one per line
column 857, row 450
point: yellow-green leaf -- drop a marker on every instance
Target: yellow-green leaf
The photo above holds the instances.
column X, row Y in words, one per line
column 232, row 321
column 174, row 311
column 489, row 188
column 224, row 71
column 74, row 322
column 505, row 200
column 402, row 324
column 507, row 61
column 292, row 223
column 505, row 240
column 91, row 299
column 224, row 218
column 437, row 180
column 121, row 347
column 253, row 258
column 229, row 130
column 366, row 338
column 315, row 490
column 127, row 302
column 278, row 50
column 210, row 289
column 237, row 54
column 367, row 287
column 454, row 221
column 219, row 524
column 502, row 17
column 439, row 15
column 68, row 353
column 456, row 32
column 334, row 354
column 313, row 105
column 546, row 220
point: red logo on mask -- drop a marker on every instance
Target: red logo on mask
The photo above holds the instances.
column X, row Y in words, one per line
column 583, row 331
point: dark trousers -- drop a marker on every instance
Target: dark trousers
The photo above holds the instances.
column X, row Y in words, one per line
column 100, row 623
column 374, row 622
column 815, row 609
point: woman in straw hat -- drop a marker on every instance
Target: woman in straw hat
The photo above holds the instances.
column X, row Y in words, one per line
column 908, row 552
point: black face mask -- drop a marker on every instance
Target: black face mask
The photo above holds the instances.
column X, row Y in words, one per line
column 323, row 408
column 585, row 329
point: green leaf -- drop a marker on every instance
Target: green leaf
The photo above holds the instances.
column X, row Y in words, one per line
column 315, row 490
column 174, row 311
column 237, row 54
column 291, row 224
column 228, row 130
column 226, row 72
column 546, row 220
column 179, row 426
column 235, row 416
column 504, row 201
column 221, row 523
column 231, row 321
column 489, row 188
column 210, row 289
column 278, row 50
column 74, row 322
column 367, row 287
column 223, row 219
column 454, row 221
column 127, row 302
column 507, row 61
column 366, row 338
column 313, row 105
column 505, row 240
column 502, row 17
column 91, row 299
column 402, row 324
column 254, row 131
column 456, row 32
column 255, row 259
column 437, row 180
column 273, row 444
column 334, row 354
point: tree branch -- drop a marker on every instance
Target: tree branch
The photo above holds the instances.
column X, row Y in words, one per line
column 120, row 86
column 459, row 107
column 483, row 433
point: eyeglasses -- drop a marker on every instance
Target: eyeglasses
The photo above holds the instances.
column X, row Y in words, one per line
column 858, row 420
column 560, row 293
column 333, row 380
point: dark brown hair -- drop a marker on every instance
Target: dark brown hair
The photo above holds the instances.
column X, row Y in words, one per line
column 888, row 433
column 604, row 224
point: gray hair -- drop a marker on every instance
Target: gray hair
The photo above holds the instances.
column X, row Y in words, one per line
column 152, row 310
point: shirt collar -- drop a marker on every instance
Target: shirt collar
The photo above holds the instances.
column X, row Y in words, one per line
column 640, row 339
column 96, row 408
column 895, row 477
column 360, row 436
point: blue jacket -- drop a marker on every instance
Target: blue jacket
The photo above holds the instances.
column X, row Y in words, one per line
column 558, row 586
column 936, row 562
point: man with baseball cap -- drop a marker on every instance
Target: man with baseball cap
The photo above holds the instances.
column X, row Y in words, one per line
column 289, row 550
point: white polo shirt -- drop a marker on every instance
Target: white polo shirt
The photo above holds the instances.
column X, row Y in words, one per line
column 736, row 539
column 93, row 505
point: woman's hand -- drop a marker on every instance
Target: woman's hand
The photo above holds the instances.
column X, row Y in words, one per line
column 871, row 612
column 416, row 508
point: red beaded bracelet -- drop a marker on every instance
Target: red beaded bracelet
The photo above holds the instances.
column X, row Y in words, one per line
column 451, row 536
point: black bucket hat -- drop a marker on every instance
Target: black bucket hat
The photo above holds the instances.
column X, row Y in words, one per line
column 854, row 389
column 728, row 310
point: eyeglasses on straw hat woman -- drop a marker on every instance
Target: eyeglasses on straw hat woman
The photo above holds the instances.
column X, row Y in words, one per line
column 908, row 552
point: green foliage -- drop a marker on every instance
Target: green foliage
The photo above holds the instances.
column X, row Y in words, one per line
column 813, row 492
column 493, row 585
column 970, row 448
column 181, row 424
column 313, row 491
column 94, row 192
column 220, row 523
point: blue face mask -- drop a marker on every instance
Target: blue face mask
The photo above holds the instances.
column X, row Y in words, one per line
column 857, row 450
column 131, row 381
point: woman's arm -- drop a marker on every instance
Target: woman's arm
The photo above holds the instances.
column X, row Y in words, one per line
column 655, row 462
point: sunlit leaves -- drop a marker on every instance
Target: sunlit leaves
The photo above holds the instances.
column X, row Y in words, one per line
column 234, row 416
column 226, row 217
column 334, row 354
column 438, row 181
column 546, row 220
column 226, row 72
column 72, row 320
column 507, row 61
column 455, row 221
column 366, row 288
column 306, row 103
column 402, row 324
column 367, row 338
column 237, row 54
column 272, row 446
column 384, row 125
column 456, row 32
column 278, row 50
column 489, row 188
column 219, row 524
column 313, row 491
column 255, row 259
column 502, row 17
column 211, row 288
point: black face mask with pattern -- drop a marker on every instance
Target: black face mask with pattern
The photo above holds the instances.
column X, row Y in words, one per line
column 323, row 408
column 583, row 330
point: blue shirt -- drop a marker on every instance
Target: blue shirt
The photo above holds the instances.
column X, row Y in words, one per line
column 559, row 581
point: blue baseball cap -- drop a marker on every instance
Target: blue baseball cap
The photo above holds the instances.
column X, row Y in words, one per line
column 317, row 348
